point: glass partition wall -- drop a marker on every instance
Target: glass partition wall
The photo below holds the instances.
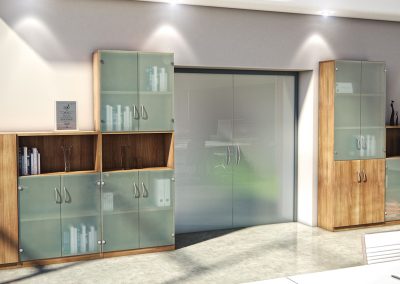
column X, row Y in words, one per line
column 235, row 148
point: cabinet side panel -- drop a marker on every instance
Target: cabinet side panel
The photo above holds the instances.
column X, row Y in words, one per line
column 96, row 90
column 8, row 199
column 325, row 144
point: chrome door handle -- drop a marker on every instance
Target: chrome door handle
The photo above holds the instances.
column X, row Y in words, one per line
column 364, row 176
column 237, row 154
column 145, row 193
column 142, row 111
column 57, row 196
column 358, row 143
column 135, row 112
column 359, row 177
column 67, row 196
column 363, row 143
column 228, row 155
column 137, row 193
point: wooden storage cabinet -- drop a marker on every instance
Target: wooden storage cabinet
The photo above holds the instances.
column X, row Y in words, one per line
column 351, row 170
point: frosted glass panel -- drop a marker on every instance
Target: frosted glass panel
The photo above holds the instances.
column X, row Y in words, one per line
column 263, row 139
column 347, row 110
column 80, row 214
column 39, row 217
column 203, row 139
column 373, row 106
column 392, row 190
column 219, row 116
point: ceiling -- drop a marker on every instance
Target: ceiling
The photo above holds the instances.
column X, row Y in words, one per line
column 388, row 10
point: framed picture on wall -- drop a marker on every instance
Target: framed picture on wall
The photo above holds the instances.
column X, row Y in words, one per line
column 66, row 115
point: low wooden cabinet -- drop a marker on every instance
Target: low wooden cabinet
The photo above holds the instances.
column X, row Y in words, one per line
column 359, row 192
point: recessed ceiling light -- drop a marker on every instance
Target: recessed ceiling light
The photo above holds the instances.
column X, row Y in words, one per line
column 173, row 2
column 326, row 13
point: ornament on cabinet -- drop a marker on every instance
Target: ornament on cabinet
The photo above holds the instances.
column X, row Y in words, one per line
column 391, row 122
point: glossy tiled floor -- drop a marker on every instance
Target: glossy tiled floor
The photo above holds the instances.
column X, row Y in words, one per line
column 238, row 256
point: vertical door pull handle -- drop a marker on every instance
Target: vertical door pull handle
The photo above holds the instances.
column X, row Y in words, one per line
column 237, row 154
column 67, row 196
column 137, row 193
column 57, row 196
column 358, row 143
column 358, row 177
column 145, row 193
column 142, row 111
column 364, row 176
column 228, row 155
column 135, row 112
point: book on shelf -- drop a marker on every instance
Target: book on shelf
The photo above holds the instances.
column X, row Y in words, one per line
column 29, row 161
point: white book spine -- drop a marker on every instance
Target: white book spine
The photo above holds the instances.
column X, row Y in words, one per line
column 38, row 163
column 109, row 118
column 83, row 236
column 126, row 118
column 92, row 239
column 130, row 120
column 154, row 81
column 31, row 164
column 25, row 161
column 35, row 161
column 74, row 240
column 119, row 118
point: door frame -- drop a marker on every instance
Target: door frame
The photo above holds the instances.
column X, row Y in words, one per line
column 239, row 71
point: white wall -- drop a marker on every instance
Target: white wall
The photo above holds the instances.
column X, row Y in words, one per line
column 46, row 46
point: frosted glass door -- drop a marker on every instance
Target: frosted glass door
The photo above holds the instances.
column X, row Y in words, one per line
column 263, row 138
column 156, row 204
column 80, row 214
column 203, row 141
column 119, row 91
column 392, row 206
column 373, row 107
column 120, row 198
column 39, row 217
column 156, row 81
column 347, row 144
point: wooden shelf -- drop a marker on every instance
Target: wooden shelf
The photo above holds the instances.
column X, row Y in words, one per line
column 136, row 132
column 62, row 174
column 56, row 133
column 139, row 170
column 137, row 151
column 393, row 157
column 393, row 126
column 84, row 151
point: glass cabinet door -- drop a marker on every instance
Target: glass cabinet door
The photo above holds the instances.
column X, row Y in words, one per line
column 347, row 144
column 373, row 107
column 120, row 210
column 39, row 217
column 80, row 214
column 119, row 91
column 156, row 81
column 392, row 206
column 156, row 216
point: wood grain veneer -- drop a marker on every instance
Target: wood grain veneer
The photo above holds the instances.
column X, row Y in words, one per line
column 8, row 199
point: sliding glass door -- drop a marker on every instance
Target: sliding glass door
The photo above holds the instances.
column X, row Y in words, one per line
column 234, row 149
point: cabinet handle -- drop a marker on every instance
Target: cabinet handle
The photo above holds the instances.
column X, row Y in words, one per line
column 135, row 112
column 145, row 193
column 57, row 196
column 237, row 154
column 142, row 111
column 228, row 155
column 67, row 196
column 137, row 193
column 364, row 176
column 358, row 143
column 359, row 177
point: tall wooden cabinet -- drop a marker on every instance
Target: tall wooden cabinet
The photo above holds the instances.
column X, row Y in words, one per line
column 351, row 170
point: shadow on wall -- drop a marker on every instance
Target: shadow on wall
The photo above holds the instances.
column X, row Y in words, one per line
column 64, row 31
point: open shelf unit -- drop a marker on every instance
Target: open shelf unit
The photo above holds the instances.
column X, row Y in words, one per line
column 392, row 141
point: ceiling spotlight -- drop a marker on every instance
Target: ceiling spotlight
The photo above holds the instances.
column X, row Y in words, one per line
column 326, row 13
column 173, row 2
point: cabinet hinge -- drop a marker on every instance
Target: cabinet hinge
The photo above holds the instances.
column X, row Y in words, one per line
column 21, row 250
column 385, row 70
column 173, row 120
column 172, row 63
column 20, row 188
column 337, row 69
column 172, row 235
column 173, row 179
column 101, row 61
column 100, row 183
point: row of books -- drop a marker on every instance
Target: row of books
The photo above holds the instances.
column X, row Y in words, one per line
column 80, row 239
column 29, row 161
